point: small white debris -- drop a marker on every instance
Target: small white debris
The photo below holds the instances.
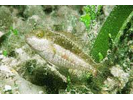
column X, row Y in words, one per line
column 41, row 92
column 2, row 56
column 1, row 34
column 7, row 88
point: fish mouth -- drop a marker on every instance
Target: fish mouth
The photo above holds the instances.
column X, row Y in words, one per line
column 27, row 41
column 27, row 38
column 32, row 43
column 34, row 47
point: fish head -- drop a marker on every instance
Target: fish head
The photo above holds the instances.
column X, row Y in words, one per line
column 36, row 39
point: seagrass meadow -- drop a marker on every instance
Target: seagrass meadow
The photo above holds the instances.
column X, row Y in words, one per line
column 66, row 49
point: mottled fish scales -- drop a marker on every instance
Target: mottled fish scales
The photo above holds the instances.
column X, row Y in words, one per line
column 69, row 42
column 61, row 49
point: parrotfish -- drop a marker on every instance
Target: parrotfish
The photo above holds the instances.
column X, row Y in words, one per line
column 61, row 49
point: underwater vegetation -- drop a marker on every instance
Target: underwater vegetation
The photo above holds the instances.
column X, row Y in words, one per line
column 66, row 49
column 109, row 31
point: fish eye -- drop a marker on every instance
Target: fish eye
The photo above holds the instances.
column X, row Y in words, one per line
column 40, row 33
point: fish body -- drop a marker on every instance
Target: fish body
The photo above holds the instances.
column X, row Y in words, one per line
column 60, row 49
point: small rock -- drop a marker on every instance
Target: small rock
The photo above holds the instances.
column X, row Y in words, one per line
column 118, row 72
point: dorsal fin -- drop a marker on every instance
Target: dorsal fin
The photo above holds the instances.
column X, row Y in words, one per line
column 70, row 36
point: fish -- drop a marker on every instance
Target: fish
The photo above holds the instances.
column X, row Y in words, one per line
column 61, row 49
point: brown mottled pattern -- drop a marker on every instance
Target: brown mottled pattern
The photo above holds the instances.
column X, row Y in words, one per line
column 61, row 57
column 69, row 42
